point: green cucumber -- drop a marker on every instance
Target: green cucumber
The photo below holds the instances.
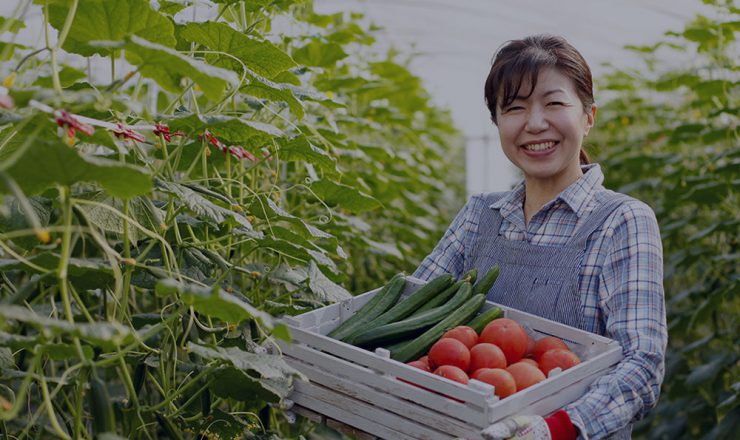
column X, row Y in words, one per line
column 400, row 329
column 470, row 276
column 407, row 306
column 485, row 283
column 479, row 322
column 101, row 407
column 415, row 348
column 382, row 301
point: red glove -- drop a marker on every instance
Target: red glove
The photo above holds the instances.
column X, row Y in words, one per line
column 561, row 428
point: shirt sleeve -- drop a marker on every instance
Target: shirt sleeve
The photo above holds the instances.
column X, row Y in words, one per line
column 448, row 255
column 632, row 301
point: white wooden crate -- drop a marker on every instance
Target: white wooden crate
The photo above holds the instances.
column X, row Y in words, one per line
column 362, row 388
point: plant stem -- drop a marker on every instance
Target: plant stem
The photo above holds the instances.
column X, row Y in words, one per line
column 129, row 268
column 54, row 68
column 50, row 409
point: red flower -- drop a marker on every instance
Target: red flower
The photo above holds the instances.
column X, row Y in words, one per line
column 71, row 124
column 234, row 150
column 161, row 129
column 126, row 133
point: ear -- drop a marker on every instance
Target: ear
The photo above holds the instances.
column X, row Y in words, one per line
column 590, row 119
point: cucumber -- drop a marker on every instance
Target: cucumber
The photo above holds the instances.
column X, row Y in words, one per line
column 397, row 330
column 413, row 349
column 485, row 283
column 382, row 301
column 479, row 322
column 101, row 407
column 470, row 276
column 407, row 306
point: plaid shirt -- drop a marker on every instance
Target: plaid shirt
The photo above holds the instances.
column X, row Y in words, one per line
column 621, row 287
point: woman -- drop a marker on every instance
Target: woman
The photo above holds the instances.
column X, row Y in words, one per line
column 569, row 249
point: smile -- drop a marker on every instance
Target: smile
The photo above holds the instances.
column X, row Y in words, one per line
column 541, row 146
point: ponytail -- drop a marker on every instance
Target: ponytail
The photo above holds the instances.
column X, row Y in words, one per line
column 583, row 157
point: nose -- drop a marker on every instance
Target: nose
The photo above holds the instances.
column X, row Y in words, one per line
column 536, row 120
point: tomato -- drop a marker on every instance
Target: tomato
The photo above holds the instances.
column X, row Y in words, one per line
column 531, row 362
column 501, row 379
column 453, row 373
column 485, row 355
column 558, row 358
column 420, row 365
column 525, row 375
column 510, row 337
column 464, row 334
column 547, row 343
column 449, row 351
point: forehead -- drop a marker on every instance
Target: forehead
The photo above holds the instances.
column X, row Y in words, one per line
column 549, row 80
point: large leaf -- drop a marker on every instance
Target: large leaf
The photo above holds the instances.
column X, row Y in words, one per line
column 109, row 335
column 213, row 302
column 40, row 164
column 344, row 196
column 266, row 366
column 326, row 289
column 203, row 207
column 168, row 67
column 260, row 56
column 319, row 54
column 300, row 148
column 236, row 130
column 105, row 20
column 84, row 273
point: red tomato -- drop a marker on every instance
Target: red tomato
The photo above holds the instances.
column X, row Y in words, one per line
column 449, row 351
column 558, row 358
column 531, row 362
column 545, row 344
column 486, row 355
column 501, row 379
column 424, row 359
column 510, row 337
column 525, row 375
column 420, row 365
column 453, row 373
column 464, row 334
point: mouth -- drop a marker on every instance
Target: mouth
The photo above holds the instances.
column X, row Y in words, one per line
column 540, row 146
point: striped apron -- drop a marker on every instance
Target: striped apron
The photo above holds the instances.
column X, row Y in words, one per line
column 537, row 279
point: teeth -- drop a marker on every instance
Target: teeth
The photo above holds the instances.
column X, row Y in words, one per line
column 540, row 147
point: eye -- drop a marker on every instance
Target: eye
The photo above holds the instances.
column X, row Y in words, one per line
column 513, row 108
column 556, row 103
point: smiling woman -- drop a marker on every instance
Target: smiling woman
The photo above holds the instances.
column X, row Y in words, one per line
column 569, row 249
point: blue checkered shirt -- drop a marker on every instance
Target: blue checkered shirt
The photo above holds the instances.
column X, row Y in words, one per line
column 621, row 287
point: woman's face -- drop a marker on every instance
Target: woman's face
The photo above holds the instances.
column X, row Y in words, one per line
column 542, row 134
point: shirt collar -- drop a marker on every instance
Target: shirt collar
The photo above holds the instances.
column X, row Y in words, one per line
column 576, row 196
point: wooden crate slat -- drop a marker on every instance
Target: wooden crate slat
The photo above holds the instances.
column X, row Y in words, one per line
column 364, row 416
column 440, row 420
column 371, row 360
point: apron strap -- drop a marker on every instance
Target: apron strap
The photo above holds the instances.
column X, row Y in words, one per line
column 491, row 198
column 596, row 219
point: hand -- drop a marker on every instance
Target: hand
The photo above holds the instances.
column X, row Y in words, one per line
column 518, row 428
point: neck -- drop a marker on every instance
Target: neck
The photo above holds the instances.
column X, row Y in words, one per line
column 538, row 192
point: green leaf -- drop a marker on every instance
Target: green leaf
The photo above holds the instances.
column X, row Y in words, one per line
column 300, row 148
column 222, row 425
column 707, row 372
column 67, row 76
column 168, row 67
column 319, row 54
column 203, row 207
column 322, row 286
column 40, row 164
column 61, row 352
column 171, row 7
column 104, row 20
column 140, row 208
column 264, row 207
column 11, row 24
column 108, row 335
column 236, row 130
column 266, row 89
column 213, row 302
column 344, row 196
column 297, row 251
column 266, row 366
column 260, row 56
column 84, row 273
